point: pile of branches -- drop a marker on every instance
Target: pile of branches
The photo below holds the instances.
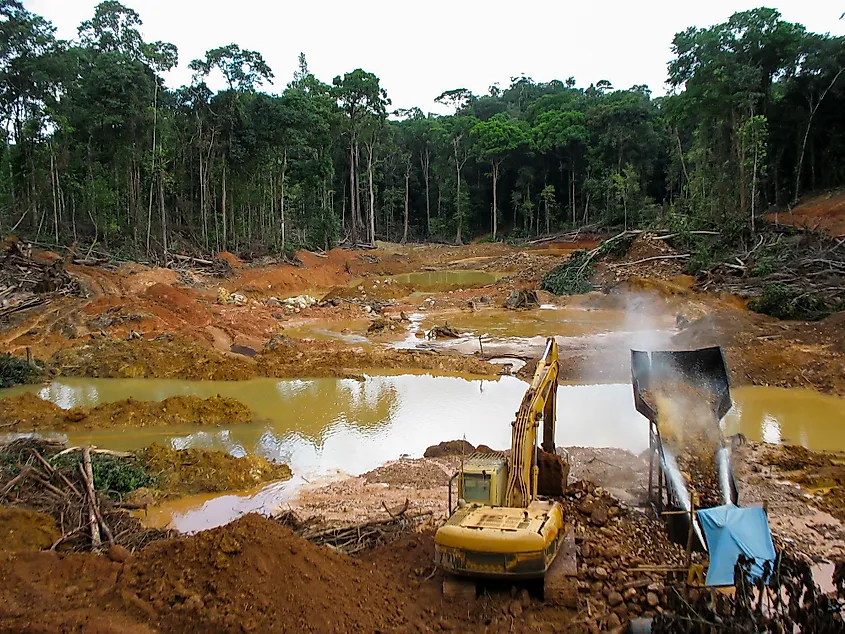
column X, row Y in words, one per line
column 87, row 518
column 354, row 538
column 784, row 599
column 575, row 276
column 787, row 273
column 25, row 282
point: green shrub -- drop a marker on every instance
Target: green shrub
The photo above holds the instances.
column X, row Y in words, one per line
column 15, row 371
column 765, row 265
column 785, row 302
column 112, row 474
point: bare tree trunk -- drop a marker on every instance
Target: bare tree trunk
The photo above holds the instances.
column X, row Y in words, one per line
column 282, row 196
column 458, row 165
column 743, row 205
column 225, row 244
column 163, row 215
column 407, row 196
column 353, row 220
column 152, row 168
column 495, row 165
column 807, row 134
column 203, row 216
column 426, row 164
column 359, row 213
column 53, row 187
column 370, row 150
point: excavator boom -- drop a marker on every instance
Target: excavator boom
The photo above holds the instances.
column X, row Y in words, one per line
column 538, row 405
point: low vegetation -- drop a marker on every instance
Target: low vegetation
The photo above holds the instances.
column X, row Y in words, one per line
column 15, row 371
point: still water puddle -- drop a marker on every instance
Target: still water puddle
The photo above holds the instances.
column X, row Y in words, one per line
column 326, row 427
column 788, row 416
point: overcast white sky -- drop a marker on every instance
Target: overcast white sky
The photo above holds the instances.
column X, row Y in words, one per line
column 421, row 49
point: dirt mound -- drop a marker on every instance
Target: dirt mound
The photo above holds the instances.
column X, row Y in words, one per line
column 824, row 214
column 256, row 576
column 179, row 302
column 28, row 412
column 450, row 448
column 176, row 410
column 52, row 592
column 370, row 290
column 230, row 258
column 177, row 357
column 23, row 529
column 201, row 471
column 417, row 474
column 327, row 358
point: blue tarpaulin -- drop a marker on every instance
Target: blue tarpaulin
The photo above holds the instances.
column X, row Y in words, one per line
column 730, row 531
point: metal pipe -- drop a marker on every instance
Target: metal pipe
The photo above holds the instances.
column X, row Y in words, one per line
column 451, row 480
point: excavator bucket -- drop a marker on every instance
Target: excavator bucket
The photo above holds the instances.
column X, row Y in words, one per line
column 703, row 369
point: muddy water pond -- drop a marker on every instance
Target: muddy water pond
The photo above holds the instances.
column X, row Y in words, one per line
column 326, row 427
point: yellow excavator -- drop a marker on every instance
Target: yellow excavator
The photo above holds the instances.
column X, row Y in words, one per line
column 501, row 527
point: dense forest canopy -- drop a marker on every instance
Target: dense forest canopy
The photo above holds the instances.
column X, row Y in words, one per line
column 97, row 149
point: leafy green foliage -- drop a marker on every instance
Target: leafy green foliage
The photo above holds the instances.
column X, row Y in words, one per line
column 15, row 371
column 111, row 474
column 570, row 278
column 104, row 151
column 784, row 302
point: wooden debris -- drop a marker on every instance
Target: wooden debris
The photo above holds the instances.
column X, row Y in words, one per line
column 88, row 477
column 351, row 539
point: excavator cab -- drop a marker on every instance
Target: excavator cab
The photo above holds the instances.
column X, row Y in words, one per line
column 483, row 479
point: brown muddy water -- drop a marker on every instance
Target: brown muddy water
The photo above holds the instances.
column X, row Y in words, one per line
column 324, row 428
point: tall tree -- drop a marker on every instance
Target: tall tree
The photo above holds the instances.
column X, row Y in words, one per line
column 495, row 139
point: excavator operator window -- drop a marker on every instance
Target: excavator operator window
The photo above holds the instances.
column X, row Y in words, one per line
column 476, row 487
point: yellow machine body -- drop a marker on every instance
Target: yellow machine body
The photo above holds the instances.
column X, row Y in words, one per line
column 500, row 528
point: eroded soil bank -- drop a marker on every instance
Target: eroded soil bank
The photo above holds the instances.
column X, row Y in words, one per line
column 145, row 322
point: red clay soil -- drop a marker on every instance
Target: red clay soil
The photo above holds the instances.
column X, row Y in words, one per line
column 253, row 575
column 825, row 214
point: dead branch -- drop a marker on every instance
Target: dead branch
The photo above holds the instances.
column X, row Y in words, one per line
column 88, row 479
column 185, row 258
column 53, row 472
column 397, row 511
column 23, row 474
column 656, row 257
column 102, row 452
